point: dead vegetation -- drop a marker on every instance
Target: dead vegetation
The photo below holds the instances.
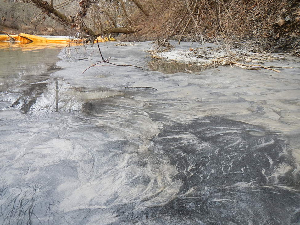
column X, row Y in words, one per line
column 211, row 56
column 269, row 25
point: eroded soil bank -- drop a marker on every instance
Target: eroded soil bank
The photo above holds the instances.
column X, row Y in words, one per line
column 121, row 143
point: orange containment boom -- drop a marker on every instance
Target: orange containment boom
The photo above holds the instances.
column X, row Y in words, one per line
column 27, row 38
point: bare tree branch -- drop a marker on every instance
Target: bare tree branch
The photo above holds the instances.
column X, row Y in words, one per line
column 139, row 5
column 60, row 16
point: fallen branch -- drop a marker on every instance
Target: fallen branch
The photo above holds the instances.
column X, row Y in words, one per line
column 44, row 5
column 143, row 88
column 253, row 67
column 10, row 37
column 119, row 30
column 139, row 5
column 106, row 61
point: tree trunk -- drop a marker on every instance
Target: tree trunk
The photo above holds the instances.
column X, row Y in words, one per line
column 124, row 11
column 138, row 4
column 61, row 17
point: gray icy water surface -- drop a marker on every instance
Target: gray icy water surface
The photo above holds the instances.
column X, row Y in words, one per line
column 133, row 146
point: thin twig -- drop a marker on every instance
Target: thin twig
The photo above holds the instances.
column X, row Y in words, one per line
column 104, row 60
column 107, row 61
column 10, row 37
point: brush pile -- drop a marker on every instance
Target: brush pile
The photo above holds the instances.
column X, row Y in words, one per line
column 266, row 25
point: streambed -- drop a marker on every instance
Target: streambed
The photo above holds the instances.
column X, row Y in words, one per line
column 88, row 142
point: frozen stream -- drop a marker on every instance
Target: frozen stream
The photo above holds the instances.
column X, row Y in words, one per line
column 128, row 145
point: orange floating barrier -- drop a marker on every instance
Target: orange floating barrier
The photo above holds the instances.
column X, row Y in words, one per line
column 27, row 38
column 29, row 41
